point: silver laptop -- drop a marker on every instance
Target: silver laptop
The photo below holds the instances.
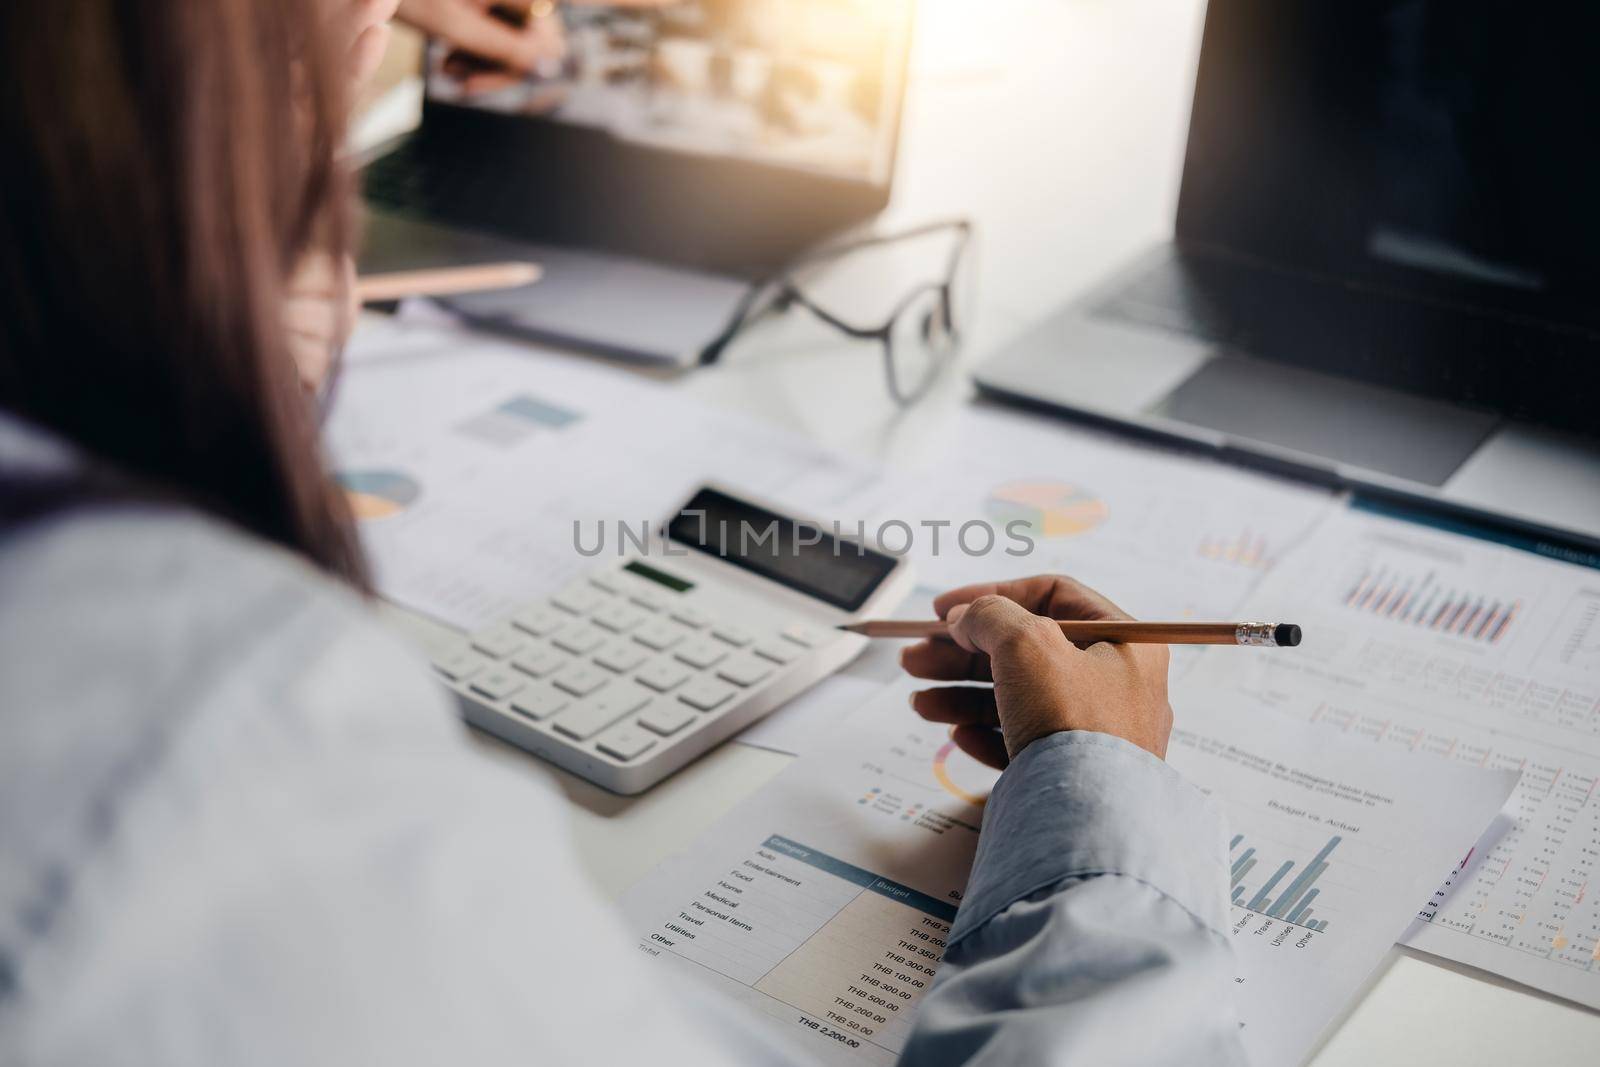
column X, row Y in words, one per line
column 1386, row 266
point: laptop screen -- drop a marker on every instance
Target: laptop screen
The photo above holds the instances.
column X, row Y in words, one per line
column 811, row 85
column 1421, row 146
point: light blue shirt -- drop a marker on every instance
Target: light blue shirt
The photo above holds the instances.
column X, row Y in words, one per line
column 240, row 824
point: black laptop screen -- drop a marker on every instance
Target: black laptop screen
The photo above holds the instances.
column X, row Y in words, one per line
column 1418, row 145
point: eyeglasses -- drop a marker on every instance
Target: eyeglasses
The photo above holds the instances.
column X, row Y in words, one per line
column 925, row 329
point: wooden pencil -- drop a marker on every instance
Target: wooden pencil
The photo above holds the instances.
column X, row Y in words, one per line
column 1248, row 634
column 445, row 281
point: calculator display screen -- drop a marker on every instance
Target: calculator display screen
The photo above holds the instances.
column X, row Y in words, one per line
column 799, row 555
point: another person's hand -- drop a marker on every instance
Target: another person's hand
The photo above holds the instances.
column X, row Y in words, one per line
column 469, row 26
column 1003, row 633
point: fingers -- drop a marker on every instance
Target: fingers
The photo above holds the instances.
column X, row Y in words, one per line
column 944, row 661
column 998, row 626
column 1071, row 599
column 1054, row 595
column 958, row 705
column 1031, row 593
column 983, row 744
column 474, row 30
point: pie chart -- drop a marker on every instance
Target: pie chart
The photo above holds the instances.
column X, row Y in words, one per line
column 1052, row 509
column 378, row 494
column 962, row 776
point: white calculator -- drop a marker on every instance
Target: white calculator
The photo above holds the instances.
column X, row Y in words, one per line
column 729, row 610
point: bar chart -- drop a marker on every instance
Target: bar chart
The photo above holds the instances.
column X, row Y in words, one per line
column 1246, row 549
column 1428, row 602
column 1284, row 895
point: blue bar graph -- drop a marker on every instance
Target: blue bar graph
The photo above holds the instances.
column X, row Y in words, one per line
column 1292, row 902
column 1298, row 887
column 1236, row 839
column 1304, row 910
column 1272, row 883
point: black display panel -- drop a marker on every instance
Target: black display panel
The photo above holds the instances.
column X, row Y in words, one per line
column 1440, row 148
column 799, row 556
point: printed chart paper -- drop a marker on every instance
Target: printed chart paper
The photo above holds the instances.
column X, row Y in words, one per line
column 1447, row 649
column 1330, row 844
column 824, row 902
column 467, row 462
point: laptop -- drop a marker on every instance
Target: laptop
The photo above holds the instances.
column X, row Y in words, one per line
column 677, row 154
column 1385, row 272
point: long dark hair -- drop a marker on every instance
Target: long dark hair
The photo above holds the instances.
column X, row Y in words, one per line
column 164, row 165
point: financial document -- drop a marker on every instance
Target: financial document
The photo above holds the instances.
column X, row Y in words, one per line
column 1450, row 649
column 1330, row 844
column 1164, row 535
column 477, row 468
column 823, row 903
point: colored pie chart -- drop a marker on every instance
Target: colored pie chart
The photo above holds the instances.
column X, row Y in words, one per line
column 378, row 494
column 962, row 776
column 1051, row 509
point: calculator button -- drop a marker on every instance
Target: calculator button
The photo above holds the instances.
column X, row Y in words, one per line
column 647, row 600
column 497, row 684
column 745, row 670
column 595, row 714
column 626, row 742
column 659, row 634
column 618, row 617
column 539, row 702
column 736, row 636
column 607, row 581
column 778, row 651
column 666, row 719
column 580, row 679
column 459, row 665
column 498, row 641
column 621, row 656
column 540, row 661
column 804, row 635
column 539, row 620
column 701, row 653
column 579, row 599
column 705, row 694
column 580, row 639
column 691, row 617
column 662, row 675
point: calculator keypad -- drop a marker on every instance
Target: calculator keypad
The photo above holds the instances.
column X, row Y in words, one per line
column 540, row 661
column 611, row 666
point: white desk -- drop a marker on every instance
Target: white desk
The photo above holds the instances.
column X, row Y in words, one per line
column 1059, row 126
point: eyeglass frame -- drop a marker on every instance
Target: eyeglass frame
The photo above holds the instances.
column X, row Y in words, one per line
column 789, row 293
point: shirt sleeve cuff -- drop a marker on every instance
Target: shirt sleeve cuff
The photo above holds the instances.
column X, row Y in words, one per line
column 1078, row 804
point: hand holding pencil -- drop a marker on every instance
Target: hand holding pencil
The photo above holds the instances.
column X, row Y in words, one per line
column 1009, row 634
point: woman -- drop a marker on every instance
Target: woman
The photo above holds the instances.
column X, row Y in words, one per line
column 239, row 824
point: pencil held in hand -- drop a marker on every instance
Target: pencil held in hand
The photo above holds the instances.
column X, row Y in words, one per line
column 1248, row 634
column 446, row 281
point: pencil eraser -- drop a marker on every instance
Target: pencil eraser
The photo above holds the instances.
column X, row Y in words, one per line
column 1286, row 634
